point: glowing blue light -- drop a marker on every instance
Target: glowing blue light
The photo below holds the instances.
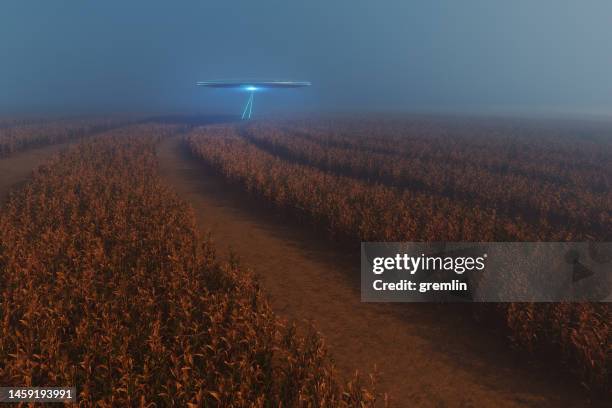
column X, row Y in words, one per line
column 252, row 86
column 248, row 108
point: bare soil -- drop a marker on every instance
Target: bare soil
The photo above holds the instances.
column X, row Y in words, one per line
column 16, row 168
column 428, row 355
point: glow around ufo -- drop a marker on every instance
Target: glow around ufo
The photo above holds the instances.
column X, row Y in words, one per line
column 252, row 86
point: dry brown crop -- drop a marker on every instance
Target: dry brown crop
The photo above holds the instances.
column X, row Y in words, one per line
column 364, row 185
column 106, row 286
column 19, row 135
column 564, row 182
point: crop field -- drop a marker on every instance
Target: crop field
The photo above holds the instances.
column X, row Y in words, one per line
column 306, row 204
column 8, row 121
column 442, row 180
column 110, row 280
column 18, row 135
column 107, row 285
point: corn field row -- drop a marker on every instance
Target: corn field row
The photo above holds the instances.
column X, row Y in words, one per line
column 577, row 335
column 107, row 286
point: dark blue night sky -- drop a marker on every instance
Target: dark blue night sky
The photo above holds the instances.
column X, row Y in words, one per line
column 525, row 56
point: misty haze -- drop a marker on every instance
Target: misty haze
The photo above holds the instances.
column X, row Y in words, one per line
column 205, row 203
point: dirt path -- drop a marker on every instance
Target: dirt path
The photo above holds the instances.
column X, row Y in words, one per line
column 16, row 168
column 429, row 355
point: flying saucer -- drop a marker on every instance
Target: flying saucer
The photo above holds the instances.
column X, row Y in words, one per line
column 252, row 86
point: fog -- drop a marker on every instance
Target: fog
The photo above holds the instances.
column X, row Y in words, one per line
column 525, row 56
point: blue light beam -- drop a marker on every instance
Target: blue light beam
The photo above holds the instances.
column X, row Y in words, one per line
column 252, row 86
column 248, row 107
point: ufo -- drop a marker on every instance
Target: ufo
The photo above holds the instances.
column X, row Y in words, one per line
column 252, row 86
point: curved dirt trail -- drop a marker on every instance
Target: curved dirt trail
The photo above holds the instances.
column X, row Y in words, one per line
column 16, row 168
column 428, row 355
